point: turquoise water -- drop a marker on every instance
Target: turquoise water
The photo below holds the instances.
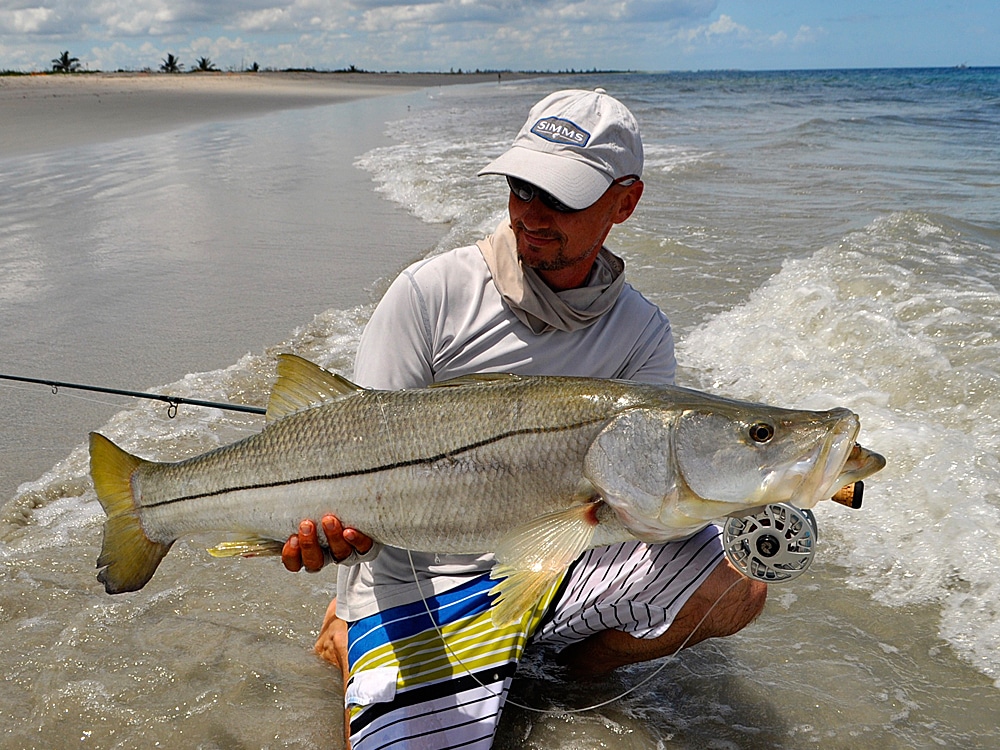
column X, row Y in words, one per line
column 817, row 238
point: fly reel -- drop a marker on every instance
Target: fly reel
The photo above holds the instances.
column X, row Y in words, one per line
column 775, row 544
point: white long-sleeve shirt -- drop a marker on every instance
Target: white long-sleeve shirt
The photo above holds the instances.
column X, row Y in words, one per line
column 444, row 317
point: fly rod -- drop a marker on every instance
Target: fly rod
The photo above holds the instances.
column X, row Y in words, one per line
column 172, row 401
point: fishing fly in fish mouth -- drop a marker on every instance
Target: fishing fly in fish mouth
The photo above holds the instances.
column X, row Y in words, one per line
column 504, row 509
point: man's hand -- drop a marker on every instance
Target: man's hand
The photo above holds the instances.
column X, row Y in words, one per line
column 303, row 550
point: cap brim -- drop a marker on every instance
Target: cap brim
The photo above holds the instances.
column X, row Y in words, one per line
column 574, row 183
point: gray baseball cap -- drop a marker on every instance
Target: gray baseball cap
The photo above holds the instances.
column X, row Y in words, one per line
column 573, row 145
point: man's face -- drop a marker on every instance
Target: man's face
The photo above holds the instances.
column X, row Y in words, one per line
column 562, row 247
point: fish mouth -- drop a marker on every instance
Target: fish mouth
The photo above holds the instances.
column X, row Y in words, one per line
column 860, row 464
column 828, row 463
column 841, row 461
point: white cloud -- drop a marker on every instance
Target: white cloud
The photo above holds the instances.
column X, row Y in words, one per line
column 807, row 35
column 387, row 34
column 727, row 31
column 725, row 25
column 266, row 19
column 722, row 26
column 673, row 11
column 25, row 20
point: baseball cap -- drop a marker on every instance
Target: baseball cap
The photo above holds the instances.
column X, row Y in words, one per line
column 573, row 145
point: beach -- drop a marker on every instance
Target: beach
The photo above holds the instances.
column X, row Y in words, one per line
column 163, row 233
column 45, row 112
column 194, row 239
column 817, row 238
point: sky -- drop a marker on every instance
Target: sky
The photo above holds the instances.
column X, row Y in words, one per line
column 468, row 35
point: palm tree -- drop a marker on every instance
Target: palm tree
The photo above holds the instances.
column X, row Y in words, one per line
column 65, row 64
column 204, row 64
column 171, row 64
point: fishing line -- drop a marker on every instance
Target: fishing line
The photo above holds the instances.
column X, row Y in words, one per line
column 553, row 711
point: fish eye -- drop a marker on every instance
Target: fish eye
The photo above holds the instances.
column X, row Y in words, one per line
column 761, row 432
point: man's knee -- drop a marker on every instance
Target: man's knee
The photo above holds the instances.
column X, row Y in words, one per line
column 726, row 602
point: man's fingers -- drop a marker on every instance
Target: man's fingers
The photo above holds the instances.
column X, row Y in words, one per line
column 291, row 555
column 334, row 530
column 303, row 550
column 312, row 552
column 359, row 541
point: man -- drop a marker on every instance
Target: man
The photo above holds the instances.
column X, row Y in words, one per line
column 541, row 296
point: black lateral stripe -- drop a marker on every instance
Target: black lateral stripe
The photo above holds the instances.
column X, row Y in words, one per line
column 427, row 693
column 376, row 469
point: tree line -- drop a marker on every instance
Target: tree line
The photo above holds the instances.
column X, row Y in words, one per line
column 65, row 63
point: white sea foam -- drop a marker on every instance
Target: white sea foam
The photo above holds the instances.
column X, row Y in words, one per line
column 859, row 325
column 667, row 158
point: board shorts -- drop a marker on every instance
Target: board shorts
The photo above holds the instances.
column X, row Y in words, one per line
column 409, row 688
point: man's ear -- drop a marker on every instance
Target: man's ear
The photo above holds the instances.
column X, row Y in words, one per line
column 628, row 200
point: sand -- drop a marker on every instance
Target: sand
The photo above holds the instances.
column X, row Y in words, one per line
column 228, row 265
column 48, row 112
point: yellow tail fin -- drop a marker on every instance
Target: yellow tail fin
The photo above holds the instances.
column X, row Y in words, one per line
column 128, row 557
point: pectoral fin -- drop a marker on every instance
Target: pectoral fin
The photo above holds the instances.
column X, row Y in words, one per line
column 533, row 556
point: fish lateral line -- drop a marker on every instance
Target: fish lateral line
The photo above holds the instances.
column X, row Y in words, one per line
column 493, row 440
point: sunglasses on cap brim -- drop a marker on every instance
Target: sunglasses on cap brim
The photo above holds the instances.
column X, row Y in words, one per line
column 526, row 192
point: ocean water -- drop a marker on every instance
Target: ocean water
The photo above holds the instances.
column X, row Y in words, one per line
column 817, row 238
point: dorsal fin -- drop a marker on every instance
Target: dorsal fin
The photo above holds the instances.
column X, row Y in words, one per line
column 303, row 385
column 483, row 378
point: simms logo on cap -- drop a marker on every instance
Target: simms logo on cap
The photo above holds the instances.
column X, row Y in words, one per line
column 558, row 130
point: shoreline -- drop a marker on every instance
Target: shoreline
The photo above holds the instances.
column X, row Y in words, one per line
column 292, row 269
column 40, row 113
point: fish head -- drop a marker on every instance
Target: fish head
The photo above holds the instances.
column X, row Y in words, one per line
column 764, row 455
column 668, row 471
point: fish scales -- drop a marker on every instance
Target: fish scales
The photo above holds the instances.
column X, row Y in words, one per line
column 380, row 463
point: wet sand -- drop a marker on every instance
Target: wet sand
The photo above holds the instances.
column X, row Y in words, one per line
column 86, row 161
column 48, row 112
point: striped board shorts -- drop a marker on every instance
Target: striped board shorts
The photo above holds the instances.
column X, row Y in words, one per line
column 410, row 689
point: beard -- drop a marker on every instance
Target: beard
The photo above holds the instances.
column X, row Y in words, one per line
column 552, row 258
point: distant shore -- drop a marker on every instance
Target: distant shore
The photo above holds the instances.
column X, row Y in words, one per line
column 48, row 112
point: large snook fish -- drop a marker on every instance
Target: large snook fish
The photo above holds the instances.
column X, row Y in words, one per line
column 535, row 469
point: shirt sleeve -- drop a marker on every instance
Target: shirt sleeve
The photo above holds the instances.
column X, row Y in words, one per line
column 652, row 358
column 396, row 348
column 659, row 362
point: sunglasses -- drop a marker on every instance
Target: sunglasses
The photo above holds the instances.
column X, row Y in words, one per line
column 526, row 192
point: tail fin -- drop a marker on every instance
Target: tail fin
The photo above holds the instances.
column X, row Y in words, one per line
column 128, row 557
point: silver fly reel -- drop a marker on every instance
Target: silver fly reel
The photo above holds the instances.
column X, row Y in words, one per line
column 775, row 544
